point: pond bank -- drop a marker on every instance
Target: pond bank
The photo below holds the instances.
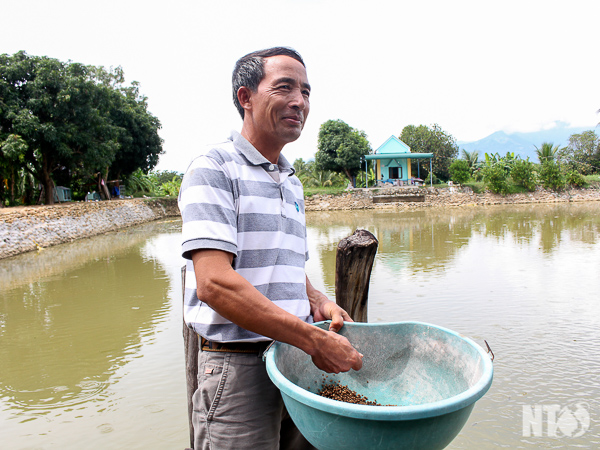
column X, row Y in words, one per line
column 400, row 198
column 24, row 229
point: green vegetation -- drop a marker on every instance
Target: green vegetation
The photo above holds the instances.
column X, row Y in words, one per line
column 583, row 153
column 153, row 184
column 71, row 125
column 330, row 190
column 577, row 165
column 495, row 177
column 423, row 139
column 547, row 152
column 523, row 174
column 312, row 177
column 341, row 148
column 551, row 176
column 460, row 171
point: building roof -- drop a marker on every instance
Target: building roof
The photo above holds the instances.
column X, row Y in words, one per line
column 399, row 156
column 394, row 148
column 393, row 145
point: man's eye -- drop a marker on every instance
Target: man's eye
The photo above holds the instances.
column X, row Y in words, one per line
column 306, row 93
column 284, row 86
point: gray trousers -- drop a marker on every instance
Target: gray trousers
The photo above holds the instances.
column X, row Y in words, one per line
column 237, row 406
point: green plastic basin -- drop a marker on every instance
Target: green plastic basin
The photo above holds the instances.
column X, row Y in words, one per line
column 432, row 375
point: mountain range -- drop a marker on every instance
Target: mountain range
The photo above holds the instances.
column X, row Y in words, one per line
column 522, row 144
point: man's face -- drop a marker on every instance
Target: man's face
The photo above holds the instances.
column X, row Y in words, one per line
column 280, row 105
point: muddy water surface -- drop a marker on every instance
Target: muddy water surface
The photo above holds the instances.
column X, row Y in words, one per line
column 90, row 332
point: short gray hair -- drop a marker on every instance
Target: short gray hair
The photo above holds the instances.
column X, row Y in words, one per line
column 249, row 70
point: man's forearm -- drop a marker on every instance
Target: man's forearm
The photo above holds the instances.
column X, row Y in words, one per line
column 234, row 298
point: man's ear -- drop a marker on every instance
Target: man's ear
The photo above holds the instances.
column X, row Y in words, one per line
column 244, row 96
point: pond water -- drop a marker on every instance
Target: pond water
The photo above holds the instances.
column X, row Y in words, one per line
column 91, row 354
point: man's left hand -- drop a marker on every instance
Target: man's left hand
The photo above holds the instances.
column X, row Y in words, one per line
column 324, row 309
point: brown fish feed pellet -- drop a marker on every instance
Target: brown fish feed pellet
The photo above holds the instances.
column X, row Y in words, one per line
column 343, row 393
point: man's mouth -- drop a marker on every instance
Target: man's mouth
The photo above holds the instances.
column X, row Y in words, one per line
column 293, row 119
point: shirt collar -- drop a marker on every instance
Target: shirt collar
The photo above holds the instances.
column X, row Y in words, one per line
column 255, row 157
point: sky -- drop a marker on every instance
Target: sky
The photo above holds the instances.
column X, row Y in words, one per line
column 473, row 67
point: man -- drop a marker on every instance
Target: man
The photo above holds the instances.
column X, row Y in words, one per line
column 244, row 234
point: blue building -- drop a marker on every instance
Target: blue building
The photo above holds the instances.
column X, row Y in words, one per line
column 393, row 160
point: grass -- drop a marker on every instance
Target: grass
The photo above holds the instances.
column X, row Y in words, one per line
column 593, row 181
column 327, row 190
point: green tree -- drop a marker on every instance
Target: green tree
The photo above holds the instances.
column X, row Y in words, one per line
column 340, row 148
column 12, row 151
column 141, row 183
column 460, row 172
column 523, row 174
column 495, row 177
column 551, row 175
column 301, row 167
column 574, row 178
column 547, row 152
column 139, row 143
column 423, row 139
column 471, row 157
column 76, row 120
column 583, row 153
column 165, row 176
column 311, row 176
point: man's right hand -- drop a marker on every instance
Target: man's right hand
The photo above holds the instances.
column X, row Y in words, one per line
column 335, row 354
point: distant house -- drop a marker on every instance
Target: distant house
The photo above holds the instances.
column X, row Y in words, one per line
column 393, row 160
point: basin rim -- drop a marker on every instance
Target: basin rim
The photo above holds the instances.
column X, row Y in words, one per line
column 389, row 413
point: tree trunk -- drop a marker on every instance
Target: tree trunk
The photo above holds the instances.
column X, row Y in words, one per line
column 102, row 189
column 354, row 262
column 47, row 181
column 12, row 185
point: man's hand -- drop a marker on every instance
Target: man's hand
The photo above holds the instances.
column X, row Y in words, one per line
column 324, row 309
column 334, row 354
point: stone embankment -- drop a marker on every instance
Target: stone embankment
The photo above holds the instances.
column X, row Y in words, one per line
column 30, row 228
column 433, row 197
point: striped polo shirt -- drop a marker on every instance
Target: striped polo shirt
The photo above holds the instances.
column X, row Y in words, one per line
column 230, row 200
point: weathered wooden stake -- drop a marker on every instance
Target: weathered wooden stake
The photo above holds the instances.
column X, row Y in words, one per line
column 190, row 341
column 353, row 263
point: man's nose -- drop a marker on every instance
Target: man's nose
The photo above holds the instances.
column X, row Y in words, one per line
column 298, row 101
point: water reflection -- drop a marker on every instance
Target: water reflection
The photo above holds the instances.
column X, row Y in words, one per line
column 429, row 240
column 72, row 315
column 524, row 278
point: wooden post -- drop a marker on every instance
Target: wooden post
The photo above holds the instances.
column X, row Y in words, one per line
column 353, row 263
column 190, row 341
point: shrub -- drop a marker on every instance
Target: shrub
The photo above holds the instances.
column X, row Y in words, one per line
column 428, row 179
column 523, row 174
column 494, row 177
column 171, row 188
column 575, row 178
column 551, row 176
column 460, row 171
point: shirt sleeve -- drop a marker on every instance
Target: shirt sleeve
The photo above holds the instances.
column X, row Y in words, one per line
column 208, row 208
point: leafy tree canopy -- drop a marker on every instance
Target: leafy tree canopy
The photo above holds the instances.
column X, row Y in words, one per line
column 460, row 172
column 340, row 148
column 422, row 139
column 583, row 152
column 68, row 121
column 547, row 152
